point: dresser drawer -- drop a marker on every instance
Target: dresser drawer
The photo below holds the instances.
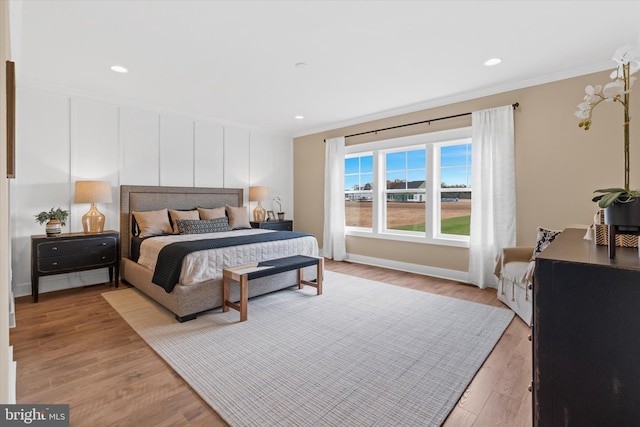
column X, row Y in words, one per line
column 78, row 246
column 72, row 262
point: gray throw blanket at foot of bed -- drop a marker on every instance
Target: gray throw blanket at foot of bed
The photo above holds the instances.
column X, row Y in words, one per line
column 169, row 264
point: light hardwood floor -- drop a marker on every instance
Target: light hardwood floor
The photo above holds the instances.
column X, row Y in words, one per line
column 73, row 348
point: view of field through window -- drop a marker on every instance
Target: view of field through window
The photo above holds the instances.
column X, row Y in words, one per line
column 407, row 176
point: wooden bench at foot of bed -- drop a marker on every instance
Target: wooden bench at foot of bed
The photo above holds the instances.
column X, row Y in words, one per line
column 244, row 273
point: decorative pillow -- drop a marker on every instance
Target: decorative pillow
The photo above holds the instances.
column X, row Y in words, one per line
column 152, row 223
column 193, row 226
column 544, row 239
column 238, row 217
column 176, row 215
column 212, row 213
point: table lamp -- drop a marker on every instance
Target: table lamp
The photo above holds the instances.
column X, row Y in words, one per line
column 93, row 192
column 259, row 194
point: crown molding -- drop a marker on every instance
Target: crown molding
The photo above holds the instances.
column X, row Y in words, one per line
column 467, row 96
column 70, row 92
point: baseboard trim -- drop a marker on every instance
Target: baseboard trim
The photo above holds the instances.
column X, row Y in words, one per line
column 442, row 273
column 64, row 281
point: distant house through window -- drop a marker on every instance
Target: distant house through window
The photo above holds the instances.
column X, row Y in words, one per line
column 414, row 188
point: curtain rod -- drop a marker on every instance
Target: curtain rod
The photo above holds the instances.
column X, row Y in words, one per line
column 515, row 106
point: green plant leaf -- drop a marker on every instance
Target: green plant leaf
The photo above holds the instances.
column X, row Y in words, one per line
column 609, row 198
column 610, row 190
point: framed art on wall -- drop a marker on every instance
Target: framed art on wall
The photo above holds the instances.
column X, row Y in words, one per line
column 11, row 119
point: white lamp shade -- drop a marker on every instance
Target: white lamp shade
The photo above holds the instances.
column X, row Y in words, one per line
column 93, row 192
column 258, row 194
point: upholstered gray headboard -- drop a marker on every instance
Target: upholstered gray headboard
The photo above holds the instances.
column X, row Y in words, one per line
column 148, row 198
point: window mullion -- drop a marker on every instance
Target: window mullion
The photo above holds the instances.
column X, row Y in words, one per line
column 378, row 173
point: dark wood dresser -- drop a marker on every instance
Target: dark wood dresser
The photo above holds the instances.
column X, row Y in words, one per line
column 586, row 335
column 71, row 252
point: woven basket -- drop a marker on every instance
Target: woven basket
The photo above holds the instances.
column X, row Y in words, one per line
column 602, row 234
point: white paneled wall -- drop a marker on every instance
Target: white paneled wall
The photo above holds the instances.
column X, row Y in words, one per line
column 236, row 159
column 62, row 138
column 209, row 159
column 42, row 182
column 139, row 147
column 94, row 156
column 176, row 151
column 272, row 173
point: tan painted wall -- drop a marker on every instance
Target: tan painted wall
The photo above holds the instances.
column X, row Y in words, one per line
column 558, row 165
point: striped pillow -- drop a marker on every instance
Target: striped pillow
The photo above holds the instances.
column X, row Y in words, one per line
column 197, row 226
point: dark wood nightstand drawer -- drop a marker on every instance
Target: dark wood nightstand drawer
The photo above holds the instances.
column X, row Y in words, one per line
column 285, row 225
column 73, row 247
column 72, row 262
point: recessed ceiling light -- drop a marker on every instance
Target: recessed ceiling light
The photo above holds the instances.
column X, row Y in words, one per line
column 493, row 61
column 301, row 65
column 119, row 69
column 299, row 117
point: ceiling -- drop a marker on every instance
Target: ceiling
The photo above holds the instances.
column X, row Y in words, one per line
column 234, row 61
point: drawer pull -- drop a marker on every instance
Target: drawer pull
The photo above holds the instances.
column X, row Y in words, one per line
column 103, row 244
column 55, row 248
column 103, row 257
column 55, row 264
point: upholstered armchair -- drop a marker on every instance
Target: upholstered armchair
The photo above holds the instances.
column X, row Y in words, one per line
column 514, row 270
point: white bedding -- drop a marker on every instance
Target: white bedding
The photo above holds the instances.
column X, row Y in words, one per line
column 207, row 265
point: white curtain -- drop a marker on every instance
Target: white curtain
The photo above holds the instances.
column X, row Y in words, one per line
column 493, row 204
column 333, row 237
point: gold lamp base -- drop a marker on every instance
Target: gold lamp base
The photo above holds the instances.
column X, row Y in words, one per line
column 259, row 213
column 93, row 221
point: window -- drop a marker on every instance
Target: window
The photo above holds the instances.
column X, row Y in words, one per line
column 414, row 188
column 455, row 188
column 405, row 189
column 358, row 194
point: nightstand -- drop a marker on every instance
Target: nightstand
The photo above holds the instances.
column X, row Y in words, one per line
column 70, row 252
column 284, row 225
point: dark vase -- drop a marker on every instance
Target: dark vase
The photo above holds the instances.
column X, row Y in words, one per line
column 626, row 216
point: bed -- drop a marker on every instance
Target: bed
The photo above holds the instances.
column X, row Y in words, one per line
column 202, row 290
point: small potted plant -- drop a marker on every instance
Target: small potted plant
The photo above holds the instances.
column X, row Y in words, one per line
column 55, row 219
column 621, row 205
column 278, row 202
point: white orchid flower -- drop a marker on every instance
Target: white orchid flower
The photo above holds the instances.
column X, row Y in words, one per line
column 592, row 90
column 613, row 89
column 625, row 54
column 582, row 114
column 617, row 73
column 585, row 105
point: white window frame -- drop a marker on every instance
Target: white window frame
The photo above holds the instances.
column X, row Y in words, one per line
column 431, row 141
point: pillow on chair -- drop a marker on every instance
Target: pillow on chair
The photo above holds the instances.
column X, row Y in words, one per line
column 544, row 239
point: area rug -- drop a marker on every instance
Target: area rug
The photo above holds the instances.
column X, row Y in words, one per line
column 362, row 354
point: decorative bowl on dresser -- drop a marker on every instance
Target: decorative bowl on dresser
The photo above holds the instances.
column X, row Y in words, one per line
column 71, row 252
